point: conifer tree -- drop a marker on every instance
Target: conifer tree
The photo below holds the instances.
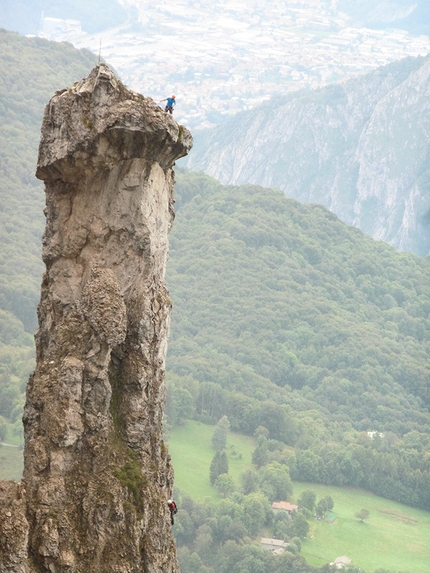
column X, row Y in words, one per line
column 215, row 467
column 223, row 463
column 219, row 436
column 219, row 465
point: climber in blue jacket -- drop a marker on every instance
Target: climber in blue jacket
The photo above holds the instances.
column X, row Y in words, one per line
column 171, row 102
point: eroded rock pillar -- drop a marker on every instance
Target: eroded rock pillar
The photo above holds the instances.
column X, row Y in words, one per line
column 96, row 472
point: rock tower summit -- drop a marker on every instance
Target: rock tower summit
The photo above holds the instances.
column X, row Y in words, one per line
column 97, row 475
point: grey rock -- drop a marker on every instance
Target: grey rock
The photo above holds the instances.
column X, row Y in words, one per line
column 97, row 474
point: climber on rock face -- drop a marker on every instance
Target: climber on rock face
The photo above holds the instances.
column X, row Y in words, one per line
column 171, row 102
column 173, row 509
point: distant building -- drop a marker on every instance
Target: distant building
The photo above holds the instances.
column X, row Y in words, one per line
column 284, row 506
column 276, row 546
column 373, row 434
column 341, row 562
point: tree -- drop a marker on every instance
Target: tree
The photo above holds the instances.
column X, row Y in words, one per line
column 298, row 542
column 362, row 515
column 250, row 481
column 18, row 430
column 185, row 531
column 179, row 405
column 236, row 531
column 282, row 525
column 219, row 465
column 308, row 466
column 321, row 508
column 325, row 504
column 9, row 394
column 214, row 470
column 220, row 527
column 189, row 562
column 223, row 463
column 275, row 481
column 224, row 484
column 292, row 547
column 204, row 540
column 300, row 526
column 256, row 510
column 261, row 431
column 330, row 502
column 219, row 436
column 307, row 499
column 260, row 456
column 184, row 405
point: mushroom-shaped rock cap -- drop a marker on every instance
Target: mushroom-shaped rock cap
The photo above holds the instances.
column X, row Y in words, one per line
column 98, row 122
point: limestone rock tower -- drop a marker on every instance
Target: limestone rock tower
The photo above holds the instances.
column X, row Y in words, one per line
column 97, row 474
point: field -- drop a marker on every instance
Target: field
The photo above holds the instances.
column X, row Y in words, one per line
column 394, row 537
column 192, row 453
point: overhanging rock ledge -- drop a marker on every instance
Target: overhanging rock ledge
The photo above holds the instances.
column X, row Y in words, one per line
column 97, row 474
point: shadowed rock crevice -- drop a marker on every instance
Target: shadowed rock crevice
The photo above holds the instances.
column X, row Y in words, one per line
column 96, row 471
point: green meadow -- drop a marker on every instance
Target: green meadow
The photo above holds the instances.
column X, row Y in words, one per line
column 192, row 452
column 394, row 537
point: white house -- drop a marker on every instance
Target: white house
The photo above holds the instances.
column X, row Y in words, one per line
column 341, row 562
column 276, row 546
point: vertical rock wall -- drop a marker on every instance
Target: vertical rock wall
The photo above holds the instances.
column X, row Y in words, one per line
column 96, row 472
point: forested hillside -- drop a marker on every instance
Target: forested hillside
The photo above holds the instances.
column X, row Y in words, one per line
column 360, row 148
column 286, row 318
column 31, row 70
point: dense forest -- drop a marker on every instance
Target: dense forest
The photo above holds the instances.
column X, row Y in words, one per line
column 287, row 319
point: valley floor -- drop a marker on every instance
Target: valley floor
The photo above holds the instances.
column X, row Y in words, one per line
column 394, row 537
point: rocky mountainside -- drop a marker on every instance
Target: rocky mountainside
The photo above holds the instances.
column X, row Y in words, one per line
column 360, row 148
column 97, row 475
column 413, row 15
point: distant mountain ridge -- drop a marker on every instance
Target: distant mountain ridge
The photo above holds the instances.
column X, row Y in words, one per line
column 360, row 148
column 412, row 15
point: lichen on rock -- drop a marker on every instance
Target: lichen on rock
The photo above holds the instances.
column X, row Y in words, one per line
column 96, row 471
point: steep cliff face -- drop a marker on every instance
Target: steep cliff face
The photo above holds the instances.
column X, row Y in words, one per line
column 97, row 475
column 361, row 149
